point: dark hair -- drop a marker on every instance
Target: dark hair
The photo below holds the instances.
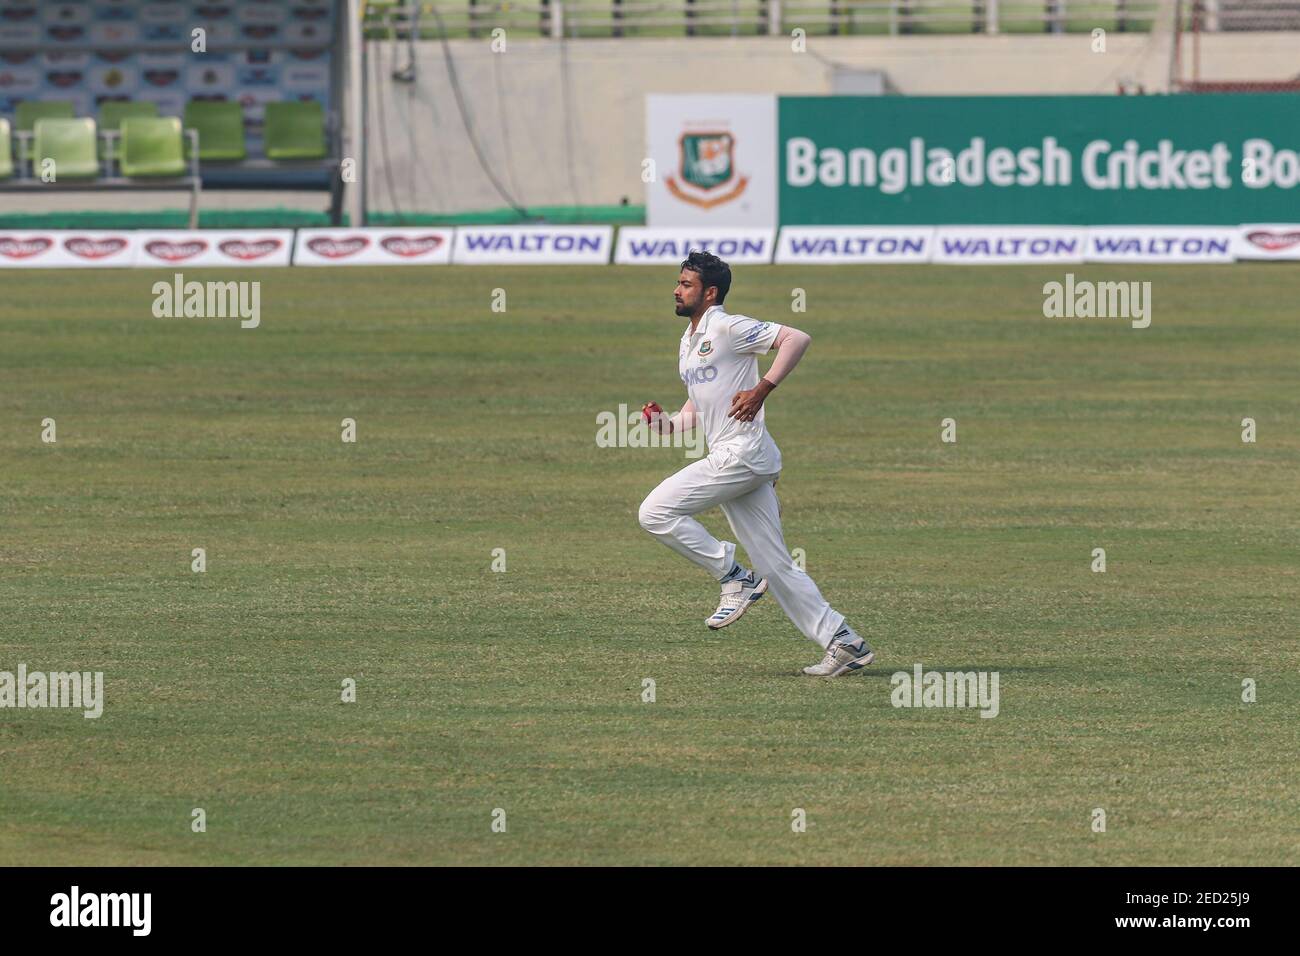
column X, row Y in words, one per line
column 711, row 270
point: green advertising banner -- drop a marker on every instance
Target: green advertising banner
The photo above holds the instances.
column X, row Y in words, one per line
column 1204, row 159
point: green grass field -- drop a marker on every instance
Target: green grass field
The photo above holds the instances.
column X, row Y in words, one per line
column 522, row 690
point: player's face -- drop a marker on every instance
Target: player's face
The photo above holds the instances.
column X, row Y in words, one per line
column 689, row 294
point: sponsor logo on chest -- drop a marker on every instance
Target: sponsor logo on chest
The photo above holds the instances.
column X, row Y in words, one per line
column 700, row 375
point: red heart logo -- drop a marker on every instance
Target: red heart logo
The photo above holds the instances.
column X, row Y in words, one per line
column 1273, row 241
column 13, row 248
column 409, row 247
column 161, row 77
column 93, row 248
column 332, row 248
column 243, row 249
column 63, row 78
column 174, row 251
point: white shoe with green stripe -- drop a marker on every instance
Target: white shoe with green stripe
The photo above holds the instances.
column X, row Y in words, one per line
column 737, row 597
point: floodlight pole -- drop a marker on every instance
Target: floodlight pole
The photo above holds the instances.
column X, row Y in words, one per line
column 354, row 116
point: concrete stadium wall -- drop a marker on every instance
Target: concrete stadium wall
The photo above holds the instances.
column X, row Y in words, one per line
column 562, row 123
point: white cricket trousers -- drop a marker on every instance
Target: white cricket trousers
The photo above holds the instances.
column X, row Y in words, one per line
column 749, row 502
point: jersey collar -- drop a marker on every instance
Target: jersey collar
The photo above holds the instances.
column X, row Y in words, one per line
column 704, row 322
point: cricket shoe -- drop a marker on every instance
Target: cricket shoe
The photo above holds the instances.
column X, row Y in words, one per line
column 737, row 596
column 848, row 652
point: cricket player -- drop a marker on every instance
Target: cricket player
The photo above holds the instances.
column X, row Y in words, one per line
column 718, row 362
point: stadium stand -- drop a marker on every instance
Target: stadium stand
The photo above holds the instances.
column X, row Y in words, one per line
column 29, row 111
column 220, row 128
column 111, row 115
column 264, row 113
column 1252, row 15
column 68, row 146
column 151, row 146
column 6, row 151
column 648, row 18
column 216, row 135
column 294, row 131
column 113, row 112
column 70, row 155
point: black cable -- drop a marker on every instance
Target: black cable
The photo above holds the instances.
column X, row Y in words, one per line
column 566, row 96
column 383, row 137
column 505, row 127
column 418, row 167
column 410, row 75
column 465, row 121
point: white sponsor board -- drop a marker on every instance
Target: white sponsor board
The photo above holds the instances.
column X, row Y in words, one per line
column 1267, row 241
column 412, row 246
column 988, row 245
column 66, row 248
column 592, row 245
column 238, row 247
column 1160, row 243
column 832, row 245
column 654, row 246
column 714, row 161
column 533, row 245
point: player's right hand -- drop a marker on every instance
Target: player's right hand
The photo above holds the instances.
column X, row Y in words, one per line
column 655, row 417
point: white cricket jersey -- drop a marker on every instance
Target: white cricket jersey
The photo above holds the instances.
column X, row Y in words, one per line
column 717, row 361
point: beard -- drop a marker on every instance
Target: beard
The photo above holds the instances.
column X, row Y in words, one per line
column 684, row 310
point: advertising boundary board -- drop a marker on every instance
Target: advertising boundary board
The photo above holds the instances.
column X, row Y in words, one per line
column 596, row 245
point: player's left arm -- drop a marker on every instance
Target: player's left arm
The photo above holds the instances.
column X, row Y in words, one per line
column 790, row 344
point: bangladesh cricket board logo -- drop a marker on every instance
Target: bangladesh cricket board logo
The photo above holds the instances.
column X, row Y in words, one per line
column 707, row 164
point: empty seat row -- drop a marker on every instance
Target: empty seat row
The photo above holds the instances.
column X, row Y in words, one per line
column 292, row 130
column 151, row 146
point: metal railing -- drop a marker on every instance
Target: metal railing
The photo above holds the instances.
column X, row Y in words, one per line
column 648, row 18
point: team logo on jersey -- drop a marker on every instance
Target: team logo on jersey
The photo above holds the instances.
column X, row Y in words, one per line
column 707, row 163
column 706, row 347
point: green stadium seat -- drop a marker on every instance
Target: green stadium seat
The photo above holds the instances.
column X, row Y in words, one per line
column 113, row 112
column 152, row 146
column 6, row 153
column 70, row 143
column 29, row 111
column 220, row 125
column 294, row 130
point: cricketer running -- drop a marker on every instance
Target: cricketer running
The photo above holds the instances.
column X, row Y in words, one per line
column 718, row 363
